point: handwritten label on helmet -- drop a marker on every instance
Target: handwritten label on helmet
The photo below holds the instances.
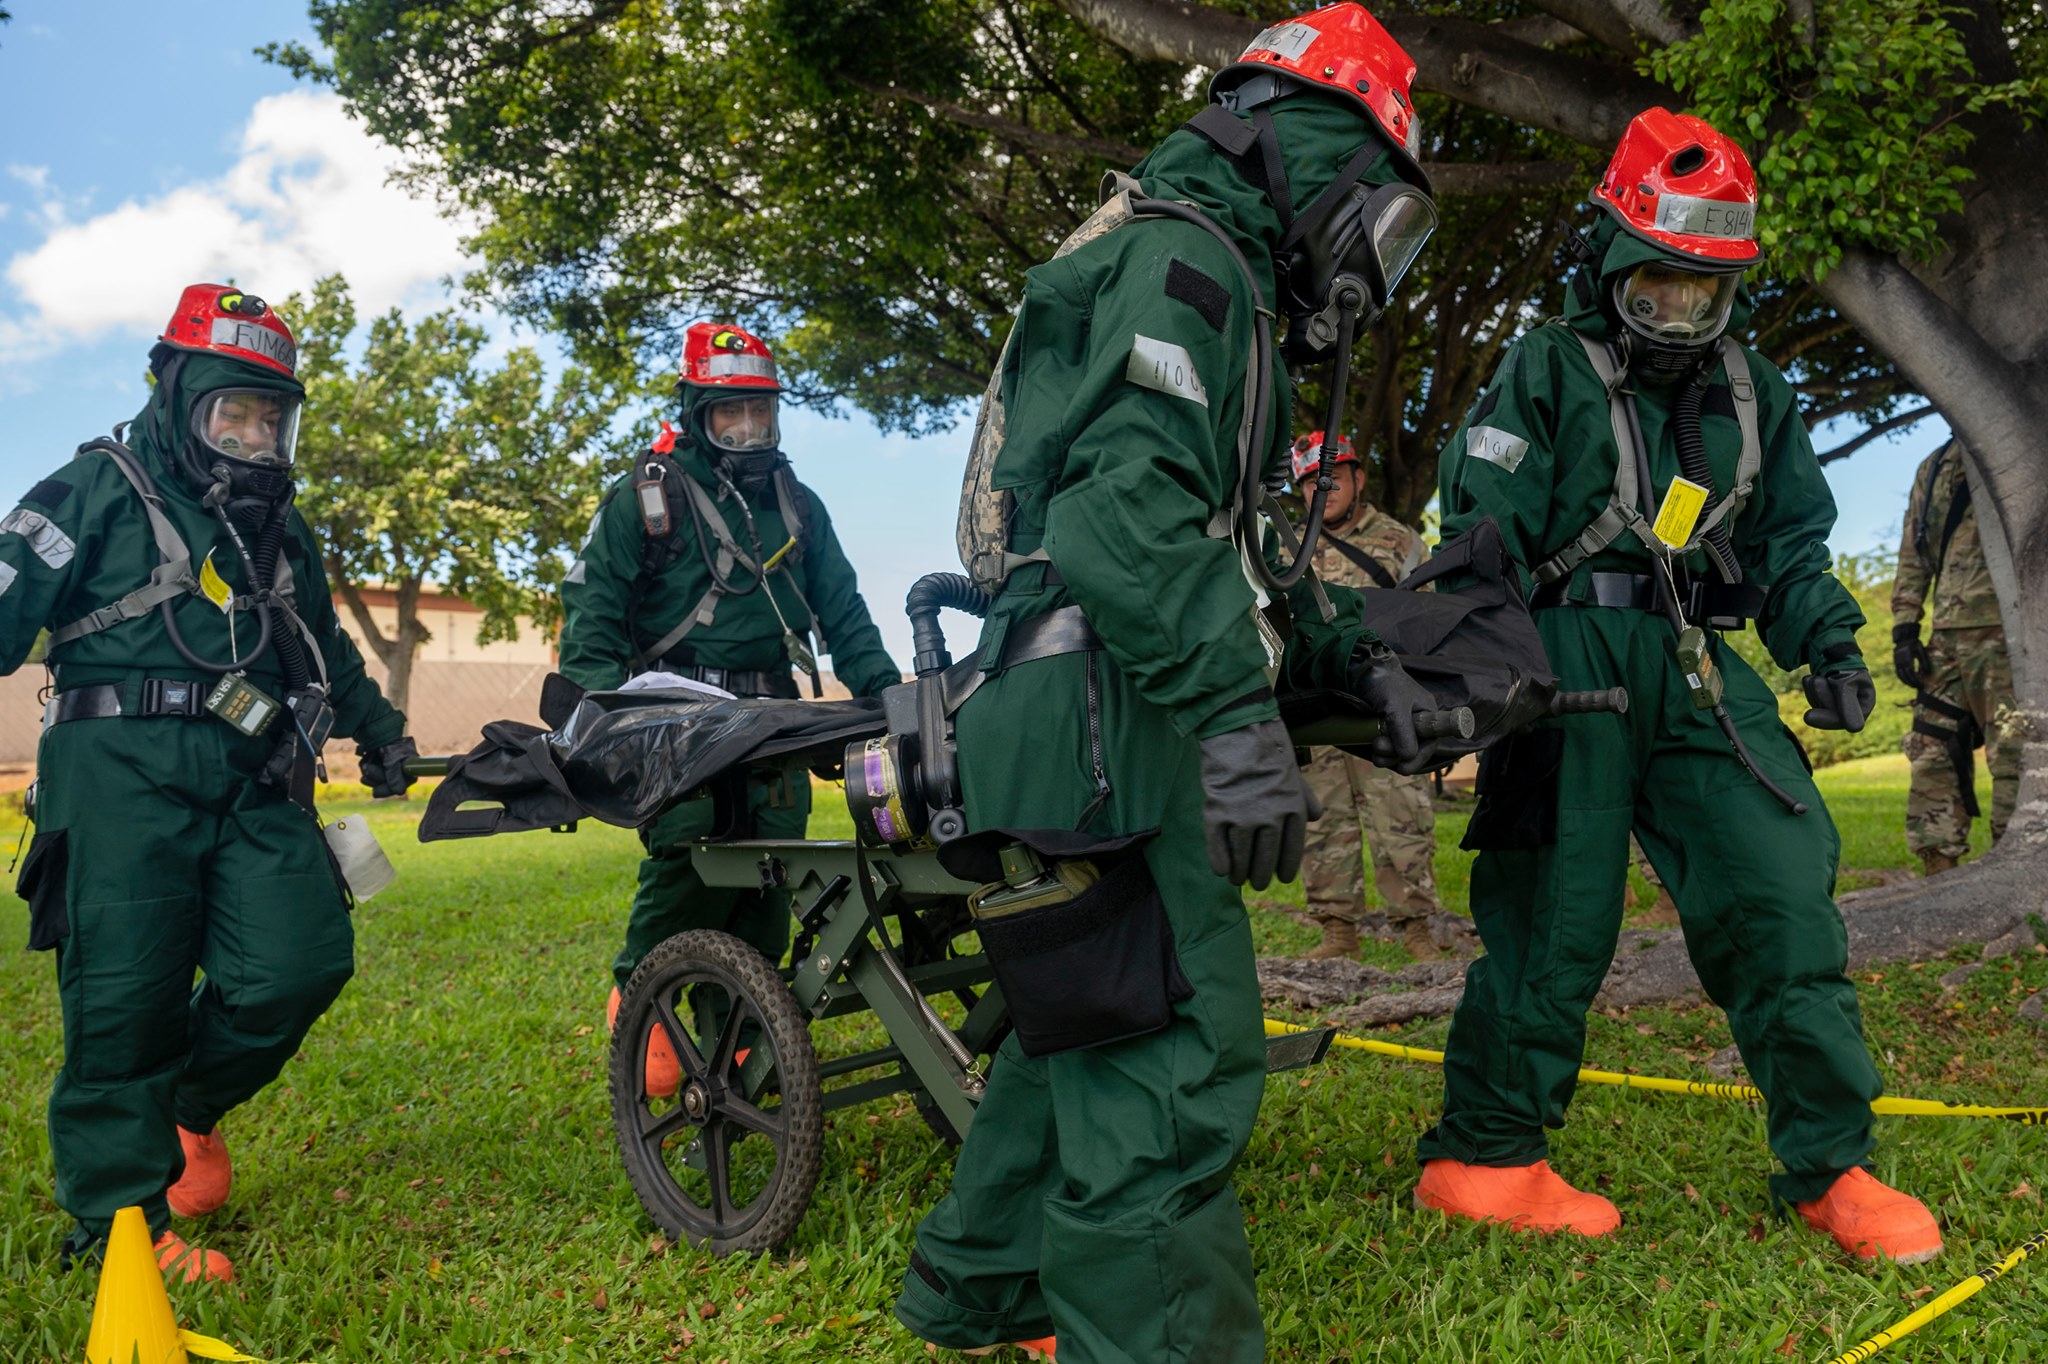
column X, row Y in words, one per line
column 1287, row 40
column 1165, row 368
column 752, row 366
column 1705, row 217
column 262, row 340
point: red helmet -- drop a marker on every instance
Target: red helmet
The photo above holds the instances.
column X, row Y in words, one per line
column 1344, row 49
column 720, row 355
column 1308, row 454
column 219, row 319
column 1677, row 182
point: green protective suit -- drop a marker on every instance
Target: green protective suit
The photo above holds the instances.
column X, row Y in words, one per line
column 155, row 853
column 1093, row 1196
column 1753, row 882
column 617, row 604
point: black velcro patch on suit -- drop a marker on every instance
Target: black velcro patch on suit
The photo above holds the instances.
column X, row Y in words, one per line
column 49, row 494
column 1484, row 408
column 1198, row 291
column 1719, row 401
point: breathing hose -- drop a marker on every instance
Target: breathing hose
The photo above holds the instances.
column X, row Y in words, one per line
column 215, row 500
column 1667, row 599
column 1692, row 462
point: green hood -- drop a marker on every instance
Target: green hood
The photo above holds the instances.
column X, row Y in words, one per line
column 1588, row 306
column 1317, row 137
column 166, row 419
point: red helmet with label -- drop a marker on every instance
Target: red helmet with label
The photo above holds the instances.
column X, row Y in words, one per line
column 1307, row 456
column 720, row 355
column 219, row 319
column 1677, row 182
column 1343, row 49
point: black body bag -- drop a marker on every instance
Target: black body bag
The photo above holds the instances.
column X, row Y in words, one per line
column 624, row 757
column 1473, row 645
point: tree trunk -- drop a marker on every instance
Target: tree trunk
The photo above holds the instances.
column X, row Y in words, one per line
column 397, row 650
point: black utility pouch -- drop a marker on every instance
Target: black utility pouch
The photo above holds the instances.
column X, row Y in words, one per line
column 1518, row 780
column 44, row 874
column 1092, row 967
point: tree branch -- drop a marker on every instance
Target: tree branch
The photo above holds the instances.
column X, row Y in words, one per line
column 1597, row 19
column 1166, row 30
column 1498, row 177
column 1122, row 153
column 1586, row 101
column 1538, row 30
column 1472, row 63
column 1886, row 427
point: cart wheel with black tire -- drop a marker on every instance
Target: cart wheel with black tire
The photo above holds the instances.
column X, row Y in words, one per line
column 729, row 1160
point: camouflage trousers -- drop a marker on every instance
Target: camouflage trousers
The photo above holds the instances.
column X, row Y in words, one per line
column 1399, row 825
column 1971, row 672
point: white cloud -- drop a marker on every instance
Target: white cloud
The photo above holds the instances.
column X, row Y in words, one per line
column 308, row 197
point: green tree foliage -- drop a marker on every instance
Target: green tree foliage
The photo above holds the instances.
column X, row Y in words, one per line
column 1856, row 110
column 418, row 463
column 868, row 179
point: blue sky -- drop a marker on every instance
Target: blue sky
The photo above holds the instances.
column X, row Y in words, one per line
column 144, row 147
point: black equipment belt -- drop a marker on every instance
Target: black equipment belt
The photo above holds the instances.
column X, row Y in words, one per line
column 1700, row 600
column 738, row 681
column 161, row 696
column 1065, row 631
column 1960, row 743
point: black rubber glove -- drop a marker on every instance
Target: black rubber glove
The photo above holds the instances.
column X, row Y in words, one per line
column 1255, row 805
column 1909, row 655
column 384, row 768
column 1840, row 700
column 1379, row 680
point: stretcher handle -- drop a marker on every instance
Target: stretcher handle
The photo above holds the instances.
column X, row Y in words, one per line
column 1613, row 699
column 427, row 766
column 1455, row 723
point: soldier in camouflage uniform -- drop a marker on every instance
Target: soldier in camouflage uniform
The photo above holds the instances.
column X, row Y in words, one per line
column 1962, row 674
column 1364, row 547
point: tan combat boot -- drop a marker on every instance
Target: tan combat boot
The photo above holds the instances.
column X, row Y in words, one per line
column 1935, row 863
column 1340, row 939
column 1420, row 942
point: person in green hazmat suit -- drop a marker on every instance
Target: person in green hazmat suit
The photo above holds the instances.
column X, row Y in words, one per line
column 1126, row 729
column 196, row 663
column 1655, row 476
column 670, row 589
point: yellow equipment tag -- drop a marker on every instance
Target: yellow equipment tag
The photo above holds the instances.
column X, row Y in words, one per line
column 216, row 590
column 1683, row 502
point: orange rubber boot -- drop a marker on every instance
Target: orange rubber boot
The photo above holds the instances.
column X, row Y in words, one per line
column 664, row 1072
column 1525, row 1197
column 208, row 1174
column 1871, row 1220
column 189, row 1264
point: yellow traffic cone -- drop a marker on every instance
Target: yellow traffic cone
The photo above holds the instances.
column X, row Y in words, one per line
column 131, row 1317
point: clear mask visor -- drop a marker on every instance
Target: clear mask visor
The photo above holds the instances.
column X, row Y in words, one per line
column 260, row 426
column 1670, row 303
column 742, row 424
column 1403, row 221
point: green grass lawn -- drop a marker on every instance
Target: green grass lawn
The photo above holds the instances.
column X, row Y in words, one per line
column 435, row 1176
